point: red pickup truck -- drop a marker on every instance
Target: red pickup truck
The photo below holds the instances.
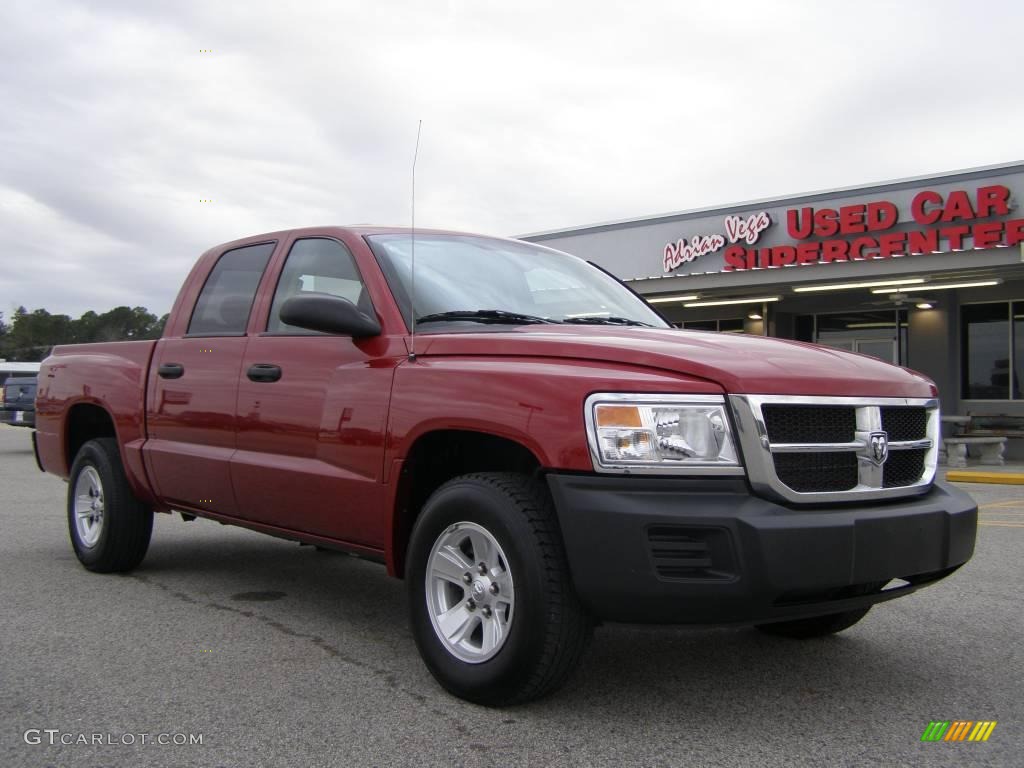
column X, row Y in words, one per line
column 516, row 434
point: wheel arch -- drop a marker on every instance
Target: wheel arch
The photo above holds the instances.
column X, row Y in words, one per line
column 86, row 421
column 435, row 458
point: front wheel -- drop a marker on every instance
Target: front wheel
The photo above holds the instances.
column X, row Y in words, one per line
column 109, row 527
column 816, row 626
column 493, row 610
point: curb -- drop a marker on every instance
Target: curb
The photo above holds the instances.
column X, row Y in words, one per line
column 998, row 478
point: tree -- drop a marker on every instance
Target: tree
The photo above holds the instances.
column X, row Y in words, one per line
column 31, row 335
column 3, row 337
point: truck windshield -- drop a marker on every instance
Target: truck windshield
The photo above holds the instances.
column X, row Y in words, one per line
column 463, row 278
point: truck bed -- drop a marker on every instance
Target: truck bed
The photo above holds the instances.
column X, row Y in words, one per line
column 112, row 374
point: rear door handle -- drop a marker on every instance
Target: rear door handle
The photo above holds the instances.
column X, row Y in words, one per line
column 264, row 372
column 170, row 370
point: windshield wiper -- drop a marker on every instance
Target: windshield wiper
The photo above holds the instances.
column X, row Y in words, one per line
column 495, row 316
column 605, row 320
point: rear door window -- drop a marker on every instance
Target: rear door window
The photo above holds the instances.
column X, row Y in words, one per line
column 226, row 299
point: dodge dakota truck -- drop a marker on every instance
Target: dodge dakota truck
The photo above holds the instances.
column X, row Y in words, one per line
column 517, row 435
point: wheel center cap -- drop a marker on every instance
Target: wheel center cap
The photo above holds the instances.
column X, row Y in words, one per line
column 478, row 589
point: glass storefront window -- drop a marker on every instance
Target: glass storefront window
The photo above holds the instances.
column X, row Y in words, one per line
column 1018, row 347
column 985, row 351
column 701, row 325
column 730, row 325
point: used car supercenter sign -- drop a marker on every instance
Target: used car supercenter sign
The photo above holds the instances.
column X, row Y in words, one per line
column 862, row 231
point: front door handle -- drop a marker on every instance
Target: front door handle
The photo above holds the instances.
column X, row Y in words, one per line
column 170, row 370
column 264, row 372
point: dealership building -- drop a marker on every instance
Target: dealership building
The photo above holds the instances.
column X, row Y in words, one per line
column 925, row 272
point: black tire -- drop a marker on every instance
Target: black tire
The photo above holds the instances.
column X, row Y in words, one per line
column 127, row 524
column 816, row 626
column 548, row 631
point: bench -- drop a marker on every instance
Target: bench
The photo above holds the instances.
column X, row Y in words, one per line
column 994, row 425
column 992, row 448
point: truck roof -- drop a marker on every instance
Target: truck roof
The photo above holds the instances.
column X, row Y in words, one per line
column 358, row 230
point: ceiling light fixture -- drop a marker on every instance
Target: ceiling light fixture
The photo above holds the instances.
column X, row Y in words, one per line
column 849, row 286
column 724, row 302
column 948, row 286
column 665, row 299
column 754, row 316
column 925, row 305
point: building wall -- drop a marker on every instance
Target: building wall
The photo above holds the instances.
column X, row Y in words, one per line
column 634, row 250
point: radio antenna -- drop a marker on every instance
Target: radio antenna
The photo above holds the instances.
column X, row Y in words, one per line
column 412, row 249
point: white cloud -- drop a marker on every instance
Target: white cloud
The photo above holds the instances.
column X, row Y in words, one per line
column 535, row 115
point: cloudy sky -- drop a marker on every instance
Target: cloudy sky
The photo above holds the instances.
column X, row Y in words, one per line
column 116, row 122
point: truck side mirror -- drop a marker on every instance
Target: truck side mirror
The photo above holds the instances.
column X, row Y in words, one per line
column 329, row 314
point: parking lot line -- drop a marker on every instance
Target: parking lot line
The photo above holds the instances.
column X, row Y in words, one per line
column 1009, row 503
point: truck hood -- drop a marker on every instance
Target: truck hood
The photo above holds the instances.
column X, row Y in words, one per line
column 740, row 364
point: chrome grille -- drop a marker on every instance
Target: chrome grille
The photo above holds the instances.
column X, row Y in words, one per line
column 905, row 423
column 808, row 472
column 810, row 423
column 903, row 468
column 810, row 449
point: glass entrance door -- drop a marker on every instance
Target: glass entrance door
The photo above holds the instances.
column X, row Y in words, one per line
column 881, row 334
column 883, row 349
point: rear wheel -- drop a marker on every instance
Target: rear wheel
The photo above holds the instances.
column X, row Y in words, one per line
column 493, row 609
column 816, row 626
column 109, row 528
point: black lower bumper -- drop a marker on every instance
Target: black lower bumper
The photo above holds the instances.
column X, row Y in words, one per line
column 706, row 551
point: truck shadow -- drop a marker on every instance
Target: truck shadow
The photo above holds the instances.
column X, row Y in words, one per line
column 631, row 677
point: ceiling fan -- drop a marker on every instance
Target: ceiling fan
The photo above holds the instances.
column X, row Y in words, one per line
column 899, row 299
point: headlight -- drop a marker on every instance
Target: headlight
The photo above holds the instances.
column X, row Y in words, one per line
column 661, row 434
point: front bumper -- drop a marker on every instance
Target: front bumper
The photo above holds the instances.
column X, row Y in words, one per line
column 18, row 418
column 706, row 551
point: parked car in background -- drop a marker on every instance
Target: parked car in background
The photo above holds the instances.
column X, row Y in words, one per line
column 8, row 369
column 19, row 407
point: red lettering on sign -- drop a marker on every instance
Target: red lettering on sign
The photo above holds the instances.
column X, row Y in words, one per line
column 807, row 252
column 920, row 207
column 923, row 242
column 958, row 206
column 993, row 201
column 783, row 255
column 945, row 221
column 857, row 248
column 826, row 222
column 1015, row 231
column 681, row 252
column 749, row 229
column 882, row 215
column 835, row 250
column 735, row 258
column 851, row 219
column 955, row 235
column 891, row 243
column 988, row 234
column 800, row 223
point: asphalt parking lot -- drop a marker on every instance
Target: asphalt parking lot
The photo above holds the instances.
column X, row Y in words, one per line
column 280, row 655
